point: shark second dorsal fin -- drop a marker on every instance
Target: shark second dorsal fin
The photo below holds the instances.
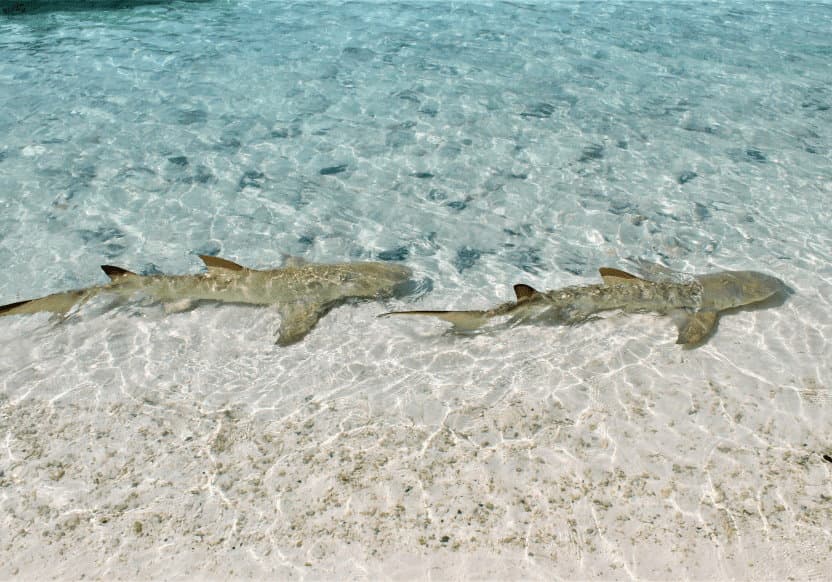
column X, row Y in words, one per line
column 617, row 276
column 115, row 273
column 523, row 291
column 219, row 263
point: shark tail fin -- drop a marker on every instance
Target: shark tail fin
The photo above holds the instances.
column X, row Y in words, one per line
column 56, row 303
column 461, row 320
column 8, row 308
column 115, row 273
column 695, row 328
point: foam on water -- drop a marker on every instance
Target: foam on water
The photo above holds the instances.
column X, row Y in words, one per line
column 482, row 145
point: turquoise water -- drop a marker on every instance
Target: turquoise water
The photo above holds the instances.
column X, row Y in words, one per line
column 482, row 144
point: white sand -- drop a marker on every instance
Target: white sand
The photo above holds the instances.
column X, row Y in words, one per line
column 370, row 450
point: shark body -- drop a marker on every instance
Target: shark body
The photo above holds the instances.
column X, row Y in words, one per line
column 303, row 293
column 695, row 305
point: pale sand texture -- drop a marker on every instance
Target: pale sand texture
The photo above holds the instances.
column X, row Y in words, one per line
column 535, row 453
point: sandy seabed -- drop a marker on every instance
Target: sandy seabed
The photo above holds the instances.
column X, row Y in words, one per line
column 414, row 457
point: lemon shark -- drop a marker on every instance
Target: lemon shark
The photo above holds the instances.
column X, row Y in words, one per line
column 694, row 304
column 302, row 292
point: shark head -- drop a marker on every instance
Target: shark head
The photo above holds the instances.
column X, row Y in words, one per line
column 377, row 280
column 731, row 289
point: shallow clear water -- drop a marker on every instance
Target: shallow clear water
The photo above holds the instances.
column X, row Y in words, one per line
column 481, row 144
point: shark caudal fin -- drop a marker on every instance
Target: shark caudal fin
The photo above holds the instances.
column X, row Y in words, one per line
column 462, row 320
column 56, row 303
column 60, row 303
column 12, row 308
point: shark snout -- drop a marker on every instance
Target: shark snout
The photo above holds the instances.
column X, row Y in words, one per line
column 729, row 289
column 758, row 287
column 382, row 279
column 413, row 287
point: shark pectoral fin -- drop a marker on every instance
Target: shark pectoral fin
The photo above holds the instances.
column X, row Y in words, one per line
column 116, row 273
column 217, row 263
column 617, row 276
column 695, row 328
column 297, row 320
column 462, row 320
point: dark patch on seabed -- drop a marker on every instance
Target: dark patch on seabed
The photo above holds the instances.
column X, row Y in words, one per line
column 286, row 132
column 817, row 99
column 749, row 155
column 700, row 211
column 180, row 161
column 620, row 207
column 592, row 152
column 755, row 155
column 398, row 254
column 191, row 116
column 203, row 176
column 252, row 179
column 466, row 257
column 539, row 111
column 571, row 262
column 527, row 259
column 108, row 237
column 101, row 234
column 331, row 170
column 41, row 6
column 687, row 176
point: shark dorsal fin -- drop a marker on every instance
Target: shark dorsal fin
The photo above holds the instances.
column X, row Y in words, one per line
column 523, row 291
column 617, row 276
column 115, row 273
column 220, row 263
